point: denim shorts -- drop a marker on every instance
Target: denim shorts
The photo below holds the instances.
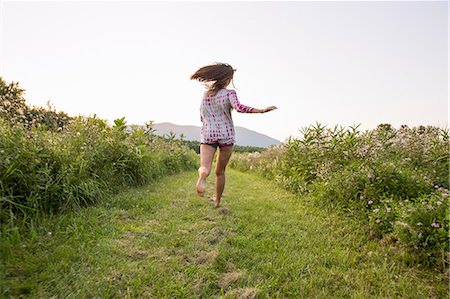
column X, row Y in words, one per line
column 217, row 144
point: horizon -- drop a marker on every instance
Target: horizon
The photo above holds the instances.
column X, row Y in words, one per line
column 335, row 63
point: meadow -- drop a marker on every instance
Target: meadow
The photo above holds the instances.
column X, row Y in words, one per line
column 52, row 163
column 97, row 210
column 394, row 181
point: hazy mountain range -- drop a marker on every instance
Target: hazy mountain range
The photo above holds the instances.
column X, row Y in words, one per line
column 244, row 136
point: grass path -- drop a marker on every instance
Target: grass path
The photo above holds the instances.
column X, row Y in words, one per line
column 162, row 241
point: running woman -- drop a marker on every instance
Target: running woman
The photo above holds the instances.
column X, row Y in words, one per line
column 218, row 130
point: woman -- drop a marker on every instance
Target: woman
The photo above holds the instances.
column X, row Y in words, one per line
column 218, row 128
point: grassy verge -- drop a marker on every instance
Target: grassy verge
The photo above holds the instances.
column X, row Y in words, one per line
column 161, row 240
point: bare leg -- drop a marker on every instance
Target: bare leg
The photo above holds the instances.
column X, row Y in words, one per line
column 206, row 157
column 222, row 160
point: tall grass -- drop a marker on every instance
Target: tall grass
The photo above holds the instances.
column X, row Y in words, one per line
column 395, row 181
column 55, row 163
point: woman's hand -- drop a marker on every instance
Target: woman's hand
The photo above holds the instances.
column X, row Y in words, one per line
column 270, row 108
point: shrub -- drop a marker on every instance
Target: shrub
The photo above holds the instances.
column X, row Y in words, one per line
column 371, row 175
column 423, row 226
column 53, row 163
column 14, row 108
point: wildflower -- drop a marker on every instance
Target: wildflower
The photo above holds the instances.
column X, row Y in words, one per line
column 439, row 203
column 388, row 209
column 402, row 224
column 376, row 210
column 444, row 195
column 377, row 221
column 370, row 202
column 370, row 176
column 49, row 233
column 419, row 223
column 435, row 224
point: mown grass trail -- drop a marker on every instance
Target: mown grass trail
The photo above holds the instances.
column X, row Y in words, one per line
column 162, row 241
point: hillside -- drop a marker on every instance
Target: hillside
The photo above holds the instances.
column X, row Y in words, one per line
column 244, row 136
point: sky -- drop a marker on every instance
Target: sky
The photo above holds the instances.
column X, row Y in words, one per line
column 336, row 63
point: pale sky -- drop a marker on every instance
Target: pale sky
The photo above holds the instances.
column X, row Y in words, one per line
column 334, row 62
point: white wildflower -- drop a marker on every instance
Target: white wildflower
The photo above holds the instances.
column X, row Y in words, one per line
column 402, row 224
column 435, row 225
column 370, row 202
column 376, row 210
column 419, row 223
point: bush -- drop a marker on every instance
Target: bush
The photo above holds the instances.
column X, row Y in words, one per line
column 371, row 175
column 14, row 108
column 424, row 227
column 64, row 164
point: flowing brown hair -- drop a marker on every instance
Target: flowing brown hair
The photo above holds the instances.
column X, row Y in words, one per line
column 219, row 73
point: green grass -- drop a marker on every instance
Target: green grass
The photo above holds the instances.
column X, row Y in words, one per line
column 162, row 241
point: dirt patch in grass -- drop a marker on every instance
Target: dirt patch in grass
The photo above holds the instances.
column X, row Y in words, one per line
column 137, row 254
column 228, row 278
column 215, row 235
column 243, row 293
column 224, row 211
column 203, row 257
column 151, row 223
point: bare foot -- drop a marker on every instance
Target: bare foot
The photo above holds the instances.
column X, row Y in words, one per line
column 201, row 183
column 216, row 202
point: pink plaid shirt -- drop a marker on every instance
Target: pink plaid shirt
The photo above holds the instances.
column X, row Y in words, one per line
column 215, row 114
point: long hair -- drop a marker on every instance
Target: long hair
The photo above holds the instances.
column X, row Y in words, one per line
column 219, row 74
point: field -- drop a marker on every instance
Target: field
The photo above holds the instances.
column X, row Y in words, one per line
column 97, row 210
column 394, row 181
column 162, row 241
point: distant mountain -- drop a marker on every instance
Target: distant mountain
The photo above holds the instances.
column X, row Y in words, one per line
column 244, row 136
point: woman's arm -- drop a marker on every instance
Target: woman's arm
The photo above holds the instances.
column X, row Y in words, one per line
column 270, row 108
column 246, row 109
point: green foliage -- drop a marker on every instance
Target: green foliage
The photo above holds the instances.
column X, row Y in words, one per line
column 161, row 241
column 13, row 108
column 49, row 171
column 53, row 166
column 424, row 227
column 370, row 175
